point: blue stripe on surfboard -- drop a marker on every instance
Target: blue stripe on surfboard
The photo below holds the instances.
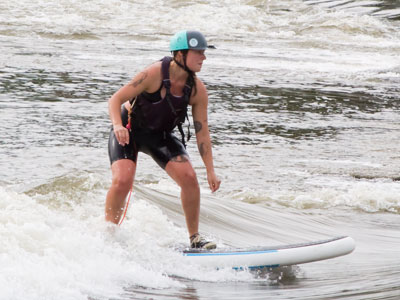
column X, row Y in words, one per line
column 229, row 253
column 255, row 267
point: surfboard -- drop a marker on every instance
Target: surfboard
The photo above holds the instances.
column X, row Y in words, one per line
column 272, row 256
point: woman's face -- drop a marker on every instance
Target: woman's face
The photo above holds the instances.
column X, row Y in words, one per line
column 194, row 60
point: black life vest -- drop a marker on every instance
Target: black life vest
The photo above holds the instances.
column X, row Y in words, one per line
column 151, row 112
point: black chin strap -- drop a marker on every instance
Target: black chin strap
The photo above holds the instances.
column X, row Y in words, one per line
column 184, row 64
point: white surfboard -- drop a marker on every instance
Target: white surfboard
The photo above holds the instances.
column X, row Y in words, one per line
column 270, row 257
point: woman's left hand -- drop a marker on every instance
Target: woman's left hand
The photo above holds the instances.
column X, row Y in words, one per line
column 213, row 181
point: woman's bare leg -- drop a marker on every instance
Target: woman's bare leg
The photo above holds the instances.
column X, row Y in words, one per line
column 123, row 174
column 181, row 171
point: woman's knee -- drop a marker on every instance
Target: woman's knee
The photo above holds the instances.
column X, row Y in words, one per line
column 122, row 183
column 183, row 173
column 122, row 175
column 189, row 179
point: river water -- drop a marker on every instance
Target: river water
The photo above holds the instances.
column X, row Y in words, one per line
column 305, row 120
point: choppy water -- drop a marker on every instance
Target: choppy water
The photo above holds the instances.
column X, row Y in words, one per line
column 304, row 112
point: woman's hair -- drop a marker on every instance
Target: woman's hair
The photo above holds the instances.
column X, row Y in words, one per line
column 192, row 75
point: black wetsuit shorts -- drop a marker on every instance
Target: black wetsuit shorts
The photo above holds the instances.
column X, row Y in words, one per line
column 161, row 146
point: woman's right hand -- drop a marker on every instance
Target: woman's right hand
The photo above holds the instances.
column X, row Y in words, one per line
column 122, row 134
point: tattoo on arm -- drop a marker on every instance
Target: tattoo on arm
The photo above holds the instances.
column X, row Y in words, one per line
column 138, row 81
column 197, row 126
column 180, row 159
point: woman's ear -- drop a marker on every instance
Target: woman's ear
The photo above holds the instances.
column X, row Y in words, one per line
column 178, row 54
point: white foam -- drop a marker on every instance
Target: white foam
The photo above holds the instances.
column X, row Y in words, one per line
column 52, row 254
column 58, row 253
column 363, row 196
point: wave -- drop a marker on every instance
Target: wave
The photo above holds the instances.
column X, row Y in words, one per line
column 385, row 9
column 226, row 19
column 360, row 197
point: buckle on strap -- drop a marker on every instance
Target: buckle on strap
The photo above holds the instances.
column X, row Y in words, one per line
column 171, row 106
column 167, row 84
column 187, row 88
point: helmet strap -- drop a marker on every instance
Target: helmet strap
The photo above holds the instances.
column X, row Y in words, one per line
column 184, row 66
column 179, row 64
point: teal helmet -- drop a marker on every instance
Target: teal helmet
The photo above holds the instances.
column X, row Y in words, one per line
column 189, row 39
